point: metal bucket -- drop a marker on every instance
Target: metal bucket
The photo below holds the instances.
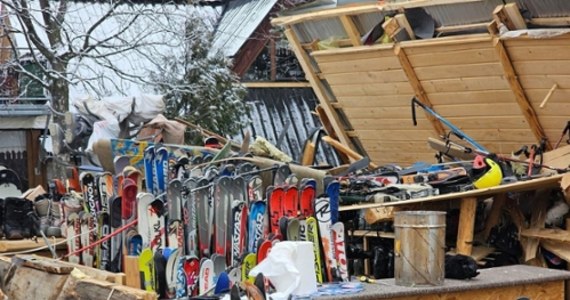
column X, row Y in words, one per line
column 419, row 248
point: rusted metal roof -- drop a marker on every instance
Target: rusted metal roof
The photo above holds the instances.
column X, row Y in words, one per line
column 274, row 110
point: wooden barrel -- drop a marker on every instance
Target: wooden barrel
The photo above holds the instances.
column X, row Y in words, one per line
column 419, row 248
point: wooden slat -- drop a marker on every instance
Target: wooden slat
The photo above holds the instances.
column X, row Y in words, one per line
column 468, row 97
column 368, row 101
column 379, row 112
column 478, row 109
column 547, row 67
column 538, row 52
column 469, row 56
column 465, row 84
column 395, row 146
column 545, row 81
column 558, row 235
column 560, row 96
column 406, row 159
column 557, row 41
column 522, row 100
column 360, row 65
column 510, row 16
column 367, row 77
column 422, row 135
column 318, row 88
column 327, row 13
column 364, row 52
column 351, row 30
column 396, row 88
column 476, row 122
column 447, row 44
column 455, row 71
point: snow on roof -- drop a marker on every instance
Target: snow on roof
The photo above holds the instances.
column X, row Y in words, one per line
column 158, row 27
column 238, row 23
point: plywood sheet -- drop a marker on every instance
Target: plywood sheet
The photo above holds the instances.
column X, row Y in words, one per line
column 459, row 71
column 486, row 83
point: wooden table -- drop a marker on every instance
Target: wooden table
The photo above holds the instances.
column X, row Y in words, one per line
column 468, row 205
column 511, row 282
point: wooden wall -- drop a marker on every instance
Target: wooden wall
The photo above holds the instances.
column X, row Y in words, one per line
column 465, row 80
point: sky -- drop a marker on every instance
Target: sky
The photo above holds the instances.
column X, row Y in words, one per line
column 158, row 26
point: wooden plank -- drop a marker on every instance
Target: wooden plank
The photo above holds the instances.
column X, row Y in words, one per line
column 351, row 30
column 270, row 84
column 462, row 27
column 375, row 123
column 458, row 71
column 379, row 100
column 20, row 245
column 467, row 56
column 360, row 65
column 471, row 96
column 544, row 291
column 31, row 283
column 318, row 87
column 522, row 100
column 478, row 109
column 403, row 159
column 323, row 14
column 368, row 233
column 545, row 81
column 537, row 52
column 486, row 83
column 447, row 44
column 380, row 89
column 556, row 41
column 132, row 272
column 510, row 16
column 366, row 77
column 466, row 225
column 347, row 151
column 559, row 249
column 378, row 214
column 551, row 181
column 94, row 289
column 560, row 97
column 341, row 54
column 560, row 21
column 483, row 135
column 547, row 67
column 419, row 91
column 45, row 265
column 558, row 235
column 394, row 146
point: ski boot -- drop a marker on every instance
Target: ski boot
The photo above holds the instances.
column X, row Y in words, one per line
column 18, row 221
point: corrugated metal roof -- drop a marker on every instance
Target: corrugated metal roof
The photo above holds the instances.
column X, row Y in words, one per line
column 238, row 23
column 546, row 8
column 273, row 108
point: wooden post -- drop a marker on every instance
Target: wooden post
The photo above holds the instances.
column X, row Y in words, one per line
column 466, row 226
column 318, row 87
column 417, row 86
column 510, row 16
column 520, row 96
column 351, row 30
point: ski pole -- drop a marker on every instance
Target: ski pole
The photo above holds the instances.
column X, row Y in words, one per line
column 564, row 131
column 453, row 128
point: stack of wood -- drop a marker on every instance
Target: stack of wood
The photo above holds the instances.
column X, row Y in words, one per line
column 36, row 277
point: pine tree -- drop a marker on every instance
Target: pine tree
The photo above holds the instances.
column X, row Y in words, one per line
column 199, row 86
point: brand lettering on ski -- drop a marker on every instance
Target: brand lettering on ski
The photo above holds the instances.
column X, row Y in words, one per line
column 338, row 241
column 302, row 231
column 322, row 210
column 258, row 229
column 237, row 233
column 105, row 230
column 91, row 197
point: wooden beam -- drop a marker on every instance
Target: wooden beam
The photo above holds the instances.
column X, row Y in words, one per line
column 318, row 87
column 494, row 214
column 351, row 30
column 417, row 86
column 466, row 226
column 403, row 22
column 510, row 16
column 270, row 84
column 522, row 100
column 560, row 21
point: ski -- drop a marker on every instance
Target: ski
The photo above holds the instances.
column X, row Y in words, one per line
column 313, row 236
column 340, row 250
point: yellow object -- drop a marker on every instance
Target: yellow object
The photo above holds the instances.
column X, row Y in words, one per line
column 492, row 177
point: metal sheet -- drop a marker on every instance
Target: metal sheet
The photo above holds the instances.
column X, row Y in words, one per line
column 238, row 23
